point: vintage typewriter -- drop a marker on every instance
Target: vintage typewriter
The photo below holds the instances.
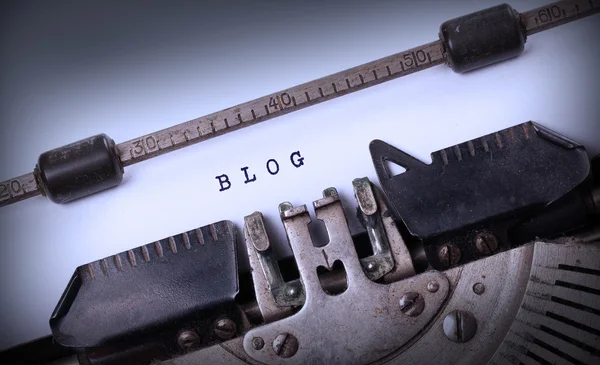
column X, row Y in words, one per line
column 488, row 254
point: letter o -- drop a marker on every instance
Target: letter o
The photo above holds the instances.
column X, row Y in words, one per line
column 269, row 167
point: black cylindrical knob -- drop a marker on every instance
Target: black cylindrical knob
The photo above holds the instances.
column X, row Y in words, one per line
column 479, row 39
column 79, row 169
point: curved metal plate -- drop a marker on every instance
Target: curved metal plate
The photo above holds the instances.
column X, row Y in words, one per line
column 517, row 319
column 558, row 321
column 360, row 325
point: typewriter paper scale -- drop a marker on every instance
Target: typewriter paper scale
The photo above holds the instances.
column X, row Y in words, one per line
column 292, row 158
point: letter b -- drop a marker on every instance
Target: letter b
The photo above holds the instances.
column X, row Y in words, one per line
column 224, row 182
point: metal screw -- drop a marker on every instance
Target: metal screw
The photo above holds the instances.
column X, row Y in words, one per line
column 258, row 343
column 412, row 304
column 486, row 243
column 225, row 328
column 433, row 286
column 285, row 345
column 188, row 339
column 449, row 255
column 478, row 288
column 285, row 206
column 460, row 326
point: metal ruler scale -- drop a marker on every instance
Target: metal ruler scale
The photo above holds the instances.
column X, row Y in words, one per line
column 298, row 97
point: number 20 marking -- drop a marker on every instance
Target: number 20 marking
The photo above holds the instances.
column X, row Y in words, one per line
column 10, row 189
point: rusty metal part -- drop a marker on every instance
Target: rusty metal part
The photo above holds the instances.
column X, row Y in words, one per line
column 225, row 328
column 376, row 314
column 552, row 288
column 486, row 243
column 188, row 339
column 413, row 303
column 403, row 259
column 285, row 345
column 274, row 296
column 430, row 346
column 381, row 262
column 301, row 96
column 449, row 255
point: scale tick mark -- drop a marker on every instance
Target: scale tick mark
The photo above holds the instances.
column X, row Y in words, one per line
column 131, row 256
column 172, row 245
column 159, row 249
column 186, row 240
column 199, row 236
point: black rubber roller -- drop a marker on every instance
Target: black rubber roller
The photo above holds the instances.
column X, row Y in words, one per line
column 482, row 38
column 79, row 169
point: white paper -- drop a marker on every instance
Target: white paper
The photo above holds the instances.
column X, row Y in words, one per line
column 554, row 83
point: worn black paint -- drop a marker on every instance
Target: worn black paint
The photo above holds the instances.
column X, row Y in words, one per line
column 150, row 288
column 482, row 38
column 79, row 169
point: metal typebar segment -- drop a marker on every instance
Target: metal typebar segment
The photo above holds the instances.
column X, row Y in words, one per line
column 558, row 13
column 283, row 102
